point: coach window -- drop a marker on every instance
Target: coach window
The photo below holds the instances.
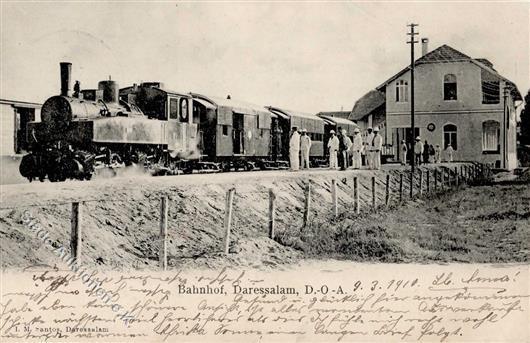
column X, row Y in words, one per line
column 184, row 110
column 450, row 87
column 173, row 108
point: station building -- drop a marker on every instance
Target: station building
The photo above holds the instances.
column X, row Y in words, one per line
column 459, row 101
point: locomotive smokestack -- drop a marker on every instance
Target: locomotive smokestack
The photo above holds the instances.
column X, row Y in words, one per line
column 66, row 73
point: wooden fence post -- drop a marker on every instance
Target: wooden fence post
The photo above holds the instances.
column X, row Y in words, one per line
column 162, row 255
column 272, row 210
column 228, row 217
column 387, row 190
column 428, row 181
column 400, row 187
column 421, row 182
column 357, row 204
column 411, row 184
column 76, row 222
column 442, row 185
column 307, row 205
column 334, row 198
column 456, row 177
column 373, row 192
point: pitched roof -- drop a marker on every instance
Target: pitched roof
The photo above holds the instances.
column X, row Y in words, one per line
column 443, row 54
column 366, row 104
column 485, row 61
column 447, row 54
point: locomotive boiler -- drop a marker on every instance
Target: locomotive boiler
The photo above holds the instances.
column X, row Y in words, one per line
column 96, row 128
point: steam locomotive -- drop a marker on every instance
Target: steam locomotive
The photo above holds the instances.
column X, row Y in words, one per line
column 164, row 131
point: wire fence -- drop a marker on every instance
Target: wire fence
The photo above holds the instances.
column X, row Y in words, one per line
column 237, row 208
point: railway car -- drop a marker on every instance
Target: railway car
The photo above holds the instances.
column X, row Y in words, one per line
column 284, row 122
column 235, row 134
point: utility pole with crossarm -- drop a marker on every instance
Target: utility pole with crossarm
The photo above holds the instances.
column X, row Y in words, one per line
column 412, row 41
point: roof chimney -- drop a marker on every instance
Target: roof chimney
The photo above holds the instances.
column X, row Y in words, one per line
column 424, row 46
column 66, row 71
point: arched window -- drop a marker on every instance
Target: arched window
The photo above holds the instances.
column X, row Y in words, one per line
column 402, row 91
column 491, row 134
column 450, row 90
column 450, row 136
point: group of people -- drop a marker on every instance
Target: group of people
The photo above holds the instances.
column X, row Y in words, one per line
column 425, row 153
column 299, row 143
column 343, row 151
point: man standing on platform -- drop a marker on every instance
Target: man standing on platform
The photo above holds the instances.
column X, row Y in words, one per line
column 333, row 146
column 305, row 146
column 404, row 151
column 377, row 145
column 347, row 146
column 368, row 148
column 418, row 150
column 294, row 149
column 357, row 147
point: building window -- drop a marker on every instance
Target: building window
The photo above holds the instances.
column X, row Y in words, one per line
column 491, row 133
column 225, row 130
column 402, row 91
column 450, row 136
column 449, row 87
column 173, row 107
column 490, row 92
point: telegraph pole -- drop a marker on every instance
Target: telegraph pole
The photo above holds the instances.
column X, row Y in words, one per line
column 412, row 41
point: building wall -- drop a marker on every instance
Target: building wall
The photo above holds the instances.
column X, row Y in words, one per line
column 7, row 127
column 467, row 112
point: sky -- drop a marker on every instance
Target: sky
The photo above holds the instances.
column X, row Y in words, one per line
column 311, row 57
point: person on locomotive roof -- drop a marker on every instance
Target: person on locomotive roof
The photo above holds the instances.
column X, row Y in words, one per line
column 377, row 145
column 294, row 149
column 333, row 146
column 356, row 149
column 305, row 146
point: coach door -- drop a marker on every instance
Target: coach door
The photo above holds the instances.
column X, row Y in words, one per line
column 238, row 134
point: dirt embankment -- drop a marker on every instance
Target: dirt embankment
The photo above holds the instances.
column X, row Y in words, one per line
column 121, row 231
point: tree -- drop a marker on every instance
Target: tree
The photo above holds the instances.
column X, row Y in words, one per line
column 525, row 121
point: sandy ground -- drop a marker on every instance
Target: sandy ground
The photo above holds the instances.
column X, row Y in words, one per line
column 121, row 216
